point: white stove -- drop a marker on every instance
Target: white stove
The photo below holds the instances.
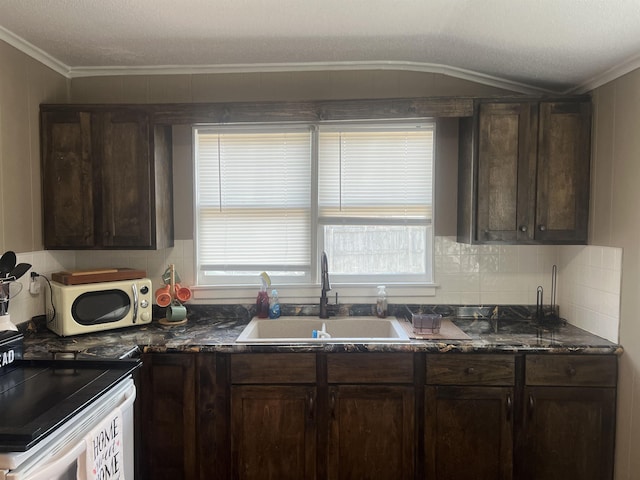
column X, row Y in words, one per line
column 65, row 419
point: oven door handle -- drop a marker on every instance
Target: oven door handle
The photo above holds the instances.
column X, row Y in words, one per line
column 134, row 287
column 57, row 467
column 60, row 464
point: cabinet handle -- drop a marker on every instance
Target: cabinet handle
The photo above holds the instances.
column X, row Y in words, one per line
column 509, row 407
column 542, row 228
column 532, row 404
column 523, row 228
column 470, row 370
column 311, row 406
column 332, row 404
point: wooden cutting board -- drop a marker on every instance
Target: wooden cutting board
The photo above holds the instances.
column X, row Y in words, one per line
column 78, row 277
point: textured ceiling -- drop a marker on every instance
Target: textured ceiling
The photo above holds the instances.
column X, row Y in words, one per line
column 556, row 45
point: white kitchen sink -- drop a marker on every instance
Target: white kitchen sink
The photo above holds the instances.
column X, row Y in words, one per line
column 333, row 330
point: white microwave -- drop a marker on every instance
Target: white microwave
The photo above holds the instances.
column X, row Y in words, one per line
column 93, row 307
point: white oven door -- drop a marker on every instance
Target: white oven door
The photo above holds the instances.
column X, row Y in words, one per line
column 56, row 457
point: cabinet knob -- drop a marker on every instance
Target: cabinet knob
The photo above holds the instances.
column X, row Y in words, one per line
column 470, row 371
column 571, row 371
column 542, row 228
column 523, row 228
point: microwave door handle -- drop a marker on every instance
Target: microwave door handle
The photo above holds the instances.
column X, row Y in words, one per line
column 135, row 302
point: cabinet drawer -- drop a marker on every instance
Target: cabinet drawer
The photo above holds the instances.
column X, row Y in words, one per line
column 572, row 370
column 370, row 368
column 273, row 368
column 470, row 369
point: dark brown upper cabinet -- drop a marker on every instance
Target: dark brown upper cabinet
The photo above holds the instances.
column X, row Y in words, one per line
column 523, row 173
column 106, row 177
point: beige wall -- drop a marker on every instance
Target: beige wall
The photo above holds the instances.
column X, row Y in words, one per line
column 615, row 221
column 24, row 85
column 246, row 87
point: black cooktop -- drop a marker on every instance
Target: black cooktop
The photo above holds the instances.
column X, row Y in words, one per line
column 37, row 396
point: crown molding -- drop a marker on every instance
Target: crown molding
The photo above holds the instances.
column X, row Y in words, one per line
column 34, row 52
column 78, row 72
column 613, row 73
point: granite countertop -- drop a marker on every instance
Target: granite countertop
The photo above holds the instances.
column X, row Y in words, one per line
column 215, row 329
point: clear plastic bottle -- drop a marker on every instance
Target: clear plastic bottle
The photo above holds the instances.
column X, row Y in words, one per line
column 274, row 304
column 381, row 302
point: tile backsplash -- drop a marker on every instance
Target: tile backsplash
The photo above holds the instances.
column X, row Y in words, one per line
column 589, row 288
column 588, row 276
column 490, row 274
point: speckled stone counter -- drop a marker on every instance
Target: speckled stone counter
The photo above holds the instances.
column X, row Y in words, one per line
column 215, row 329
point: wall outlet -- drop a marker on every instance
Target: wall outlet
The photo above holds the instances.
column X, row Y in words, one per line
column 34, row 286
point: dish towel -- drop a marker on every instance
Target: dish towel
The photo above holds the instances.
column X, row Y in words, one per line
column 102, row 459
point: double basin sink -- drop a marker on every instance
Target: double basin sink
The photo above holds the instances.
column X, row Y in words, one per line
column 293, row 329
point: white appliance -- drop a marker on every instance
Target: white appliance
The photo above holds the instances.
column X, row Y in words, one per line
column 58, row 416
column 57, row 456
column 93, row 307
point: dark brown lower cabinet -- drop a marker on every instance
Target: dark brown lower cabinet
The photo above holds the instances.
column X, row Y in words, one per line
column 469, row 433
column 569, row 433
column 371, row 432
column 168, row 417
column 273, row 416
column 568, row 423
column 392, row 415
column 273, row 432
column 469, row 416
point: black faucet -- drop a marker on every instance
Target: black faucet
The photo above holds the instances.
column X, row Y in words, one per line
column 324, row 269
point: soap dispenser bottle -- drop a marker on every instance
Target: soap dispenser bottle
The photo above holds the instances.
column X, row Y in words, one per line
column 381, row 302
column 262, row 301
column 262, row 304
column 274, row 305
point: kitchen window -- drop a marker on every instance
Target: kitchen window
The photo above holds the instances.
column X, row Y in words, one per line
column 273, row 197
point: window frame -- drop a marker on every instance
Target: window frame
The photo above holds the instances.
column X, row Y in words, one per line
column 321, row 221
column 248, row 128
column 354, row 282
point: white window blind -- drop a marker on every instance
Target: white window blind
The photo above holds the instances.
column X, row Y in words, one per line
column 376, row 173
column 272, row 197
column 253, row 203
column 375, row 201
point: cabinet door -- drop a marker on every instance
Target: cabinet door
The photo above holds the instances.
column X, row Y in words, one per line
column 469, row 433
column 273, row 432
column 167, row 407
column 563, row 172
column 506, row 172
column 127, row 192
column 569, row 432
column 67, row 180
column 371, row 432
